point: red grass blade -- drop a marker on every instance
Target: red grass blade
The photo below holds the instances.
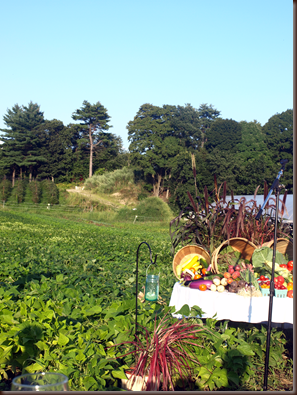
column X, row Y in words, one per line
column 195, row 208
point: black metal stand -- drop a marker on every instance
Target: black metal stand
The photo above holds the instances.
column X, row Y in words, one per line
column 277, row 188
column 143, row 242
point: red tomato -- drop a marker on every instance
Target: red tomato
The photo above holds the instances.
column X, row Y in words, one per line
column 290, row 294
column 280, row 280
column 290, row 265
column 262, row 278
column 284, row 266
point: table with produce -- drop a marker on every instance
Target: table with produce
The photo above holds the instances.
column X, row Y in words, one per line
column 234, row 284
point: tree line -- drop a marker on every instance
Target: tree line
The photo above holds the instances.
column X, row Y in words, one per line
column 166, row 145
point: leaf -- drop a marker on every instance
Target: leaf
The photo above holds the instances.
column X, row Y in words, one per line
column 119, row 374
column 184, row 311
column 59, row 278
column 93, row 310
column 62, row 339
column 89, row 382
column 245, row 350
column 232, row 376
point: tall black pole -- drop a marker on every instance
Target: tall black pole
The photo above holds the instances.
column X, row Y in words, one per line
column 277, row 188
column 271, row 294
column 143, row 242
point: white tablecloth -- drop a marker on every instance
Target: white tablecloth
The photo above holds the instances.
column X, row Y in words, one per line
column 229, row 306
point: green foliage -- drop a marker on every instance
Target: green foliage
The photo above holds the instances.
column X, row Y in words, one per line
column 19, row 190
column 111, row 182
column 5, row 189
column 224, row 135
column 67, row 296
column 35, row 189
column 149, row 209
column 278, row 132
column 50, row 192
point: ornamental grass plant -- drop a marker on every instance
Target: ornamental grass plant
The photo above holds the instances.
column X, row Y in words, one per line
column 166, row 355
column 212, row 220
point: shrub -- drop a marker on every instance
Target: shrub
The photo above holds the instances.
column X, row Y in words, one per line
column 19, row 190
column 5, row 189
column 111, row 182
column 50, row 192
column 35, row 191
column 151, row 208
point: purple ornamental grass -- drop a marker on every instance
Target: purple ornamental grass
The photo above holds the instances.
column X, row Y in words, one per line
column 166, row 354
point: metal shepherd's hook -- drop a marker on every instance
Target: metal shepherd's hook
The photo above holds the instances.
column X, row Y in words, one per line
column 277, row 188
column 144, row 242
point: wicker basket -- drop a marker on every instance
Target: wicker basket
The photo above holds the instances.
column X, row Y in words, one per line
column 244, row 246
column 284, row 246
column 187, row 253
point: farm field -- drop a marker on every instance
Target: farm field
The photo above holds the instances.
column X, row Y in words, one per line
column 67, row 294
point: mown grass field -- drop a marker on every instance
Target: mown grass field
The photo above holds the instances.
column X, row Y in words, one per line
column 67, row 294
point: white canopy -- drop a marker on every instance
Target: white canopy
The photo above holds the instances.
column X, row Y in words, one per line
column 288, row 213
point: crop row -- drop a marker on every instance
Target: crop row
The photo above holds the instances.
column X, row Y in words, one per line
column 67, row 293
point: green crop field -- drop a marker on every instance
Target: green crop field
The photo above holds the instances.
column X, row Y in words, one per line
column 67, row 293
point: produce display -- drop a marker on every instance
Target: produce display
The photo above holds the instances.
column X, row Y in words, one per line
column 243, row 277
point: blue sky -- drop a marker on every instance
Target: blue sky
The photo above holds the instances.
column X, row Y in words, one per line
column 235, row 55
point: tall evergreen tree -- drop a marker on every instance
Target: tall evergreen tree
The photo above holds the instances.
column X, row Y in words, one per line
column 56, row 147
column 94, row 124
column 21, row 146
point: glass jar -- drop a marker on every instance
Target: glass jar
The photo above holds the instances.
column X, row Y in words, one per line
column 151, row 287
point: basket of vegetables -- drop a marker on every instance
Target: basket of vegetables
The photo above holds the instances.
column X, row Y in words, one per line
column 192, row 260
column 231, row 252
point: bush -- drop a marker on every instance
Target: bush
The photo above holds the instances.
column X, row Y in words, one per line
column 19, row 190
column 5, row 189
column 111, row 182
column 50, row 192
column 151, row 208
column 35, row 191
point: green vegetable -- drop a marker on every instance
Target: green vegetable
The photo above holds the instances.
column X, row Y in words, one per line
column 262, row 259
column 203, row 263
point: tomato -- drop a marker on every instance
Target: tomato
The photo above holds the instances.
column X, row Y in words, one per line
column 202, row 287
column 290, row 294
column 280, row 280
column 284, row 266
column 290, row 287
column 197, row 276
column 262, row 278
column 290, row 265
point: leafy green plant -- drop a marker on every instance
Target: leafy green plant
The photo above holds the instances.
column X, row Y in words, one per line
column 18, row 191
column 50, row 192
column 35, row 189
column 262, row 263
column 5, row 189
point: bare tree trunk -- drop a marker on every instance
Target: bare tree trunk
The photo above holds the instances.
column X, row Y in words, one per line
column 92, row 146
column 156, row 186
column 91, row 152
column 13, row 177
column 21, row 173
